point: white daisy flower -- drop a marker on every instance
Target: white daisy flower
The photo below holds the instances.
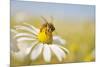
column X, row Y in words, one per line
column 38, row 44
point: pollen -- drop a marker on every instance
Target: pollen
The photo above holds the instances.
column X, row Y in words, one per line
column 45, row 37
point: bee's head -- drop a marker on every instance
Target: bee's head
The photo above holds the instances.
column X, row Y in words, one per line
column 49, row 27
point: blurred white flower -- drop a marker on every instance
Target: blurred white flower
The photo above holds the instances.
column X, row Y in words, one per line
column 13, row 45
column 36, row 48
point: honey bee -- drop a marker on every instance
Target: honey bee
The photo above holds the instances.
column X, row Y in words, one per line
column 46, row 30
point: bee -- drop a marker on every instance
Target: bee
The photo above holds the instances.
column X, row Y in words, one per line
column 46, row 30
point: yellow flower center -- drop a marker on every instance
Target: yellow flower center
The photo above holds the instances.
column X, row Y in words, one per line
column 45, row 37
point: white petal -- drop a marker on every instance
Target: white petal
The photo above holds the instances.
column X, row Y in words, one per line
column 24, row 34
column 24, row 39
column 13, row 45
column 47, row 53
column 58, row 40
column 28, row 50
column 35, row 29
column 14, row 31
column 35, row 43
column 20, row 55
column 66, row 50
column 25, row 45
column 58, row 52
column 24, row 50
column 29, row 47
column 26, row 29
column 36, row 51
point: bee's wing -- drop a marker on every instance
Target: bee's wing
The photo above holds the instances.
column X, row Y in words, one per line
column 52, row 19
column 43, row 20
